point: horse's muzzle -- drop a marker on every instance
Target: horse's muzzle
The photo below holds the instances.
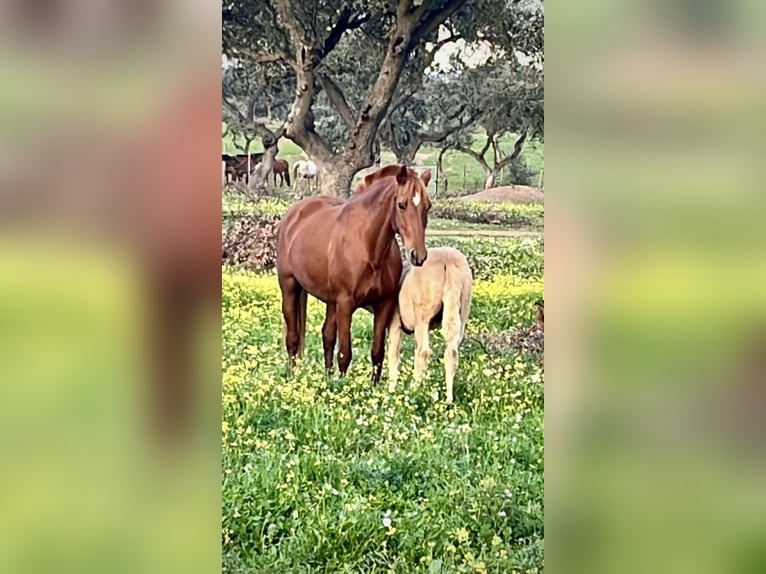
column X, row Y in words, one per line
column 415, row 260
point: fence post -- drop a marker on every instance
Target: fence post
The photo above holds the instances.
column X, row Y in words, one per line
column 463, row 176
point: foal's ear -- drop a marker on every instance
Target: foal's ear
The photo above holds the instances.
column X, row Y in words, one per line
column 401, row 175
column 426, row 177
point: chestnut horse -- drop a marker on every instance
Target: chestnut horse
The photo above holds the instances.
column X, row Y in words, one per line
column 344, row 253
column 282, row 169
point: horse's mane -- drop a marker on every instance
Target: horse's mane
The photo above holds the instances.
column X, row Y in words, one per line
column 388, row 171
column 369, row 179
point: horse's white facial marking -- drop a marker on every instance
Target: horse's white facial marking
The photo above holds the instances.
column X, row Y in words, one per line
column 416, row 199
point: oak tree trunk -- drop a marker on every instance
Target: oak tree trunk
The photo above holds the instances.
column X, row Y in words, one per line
column 263, row 170
column 335, row 177
column 442, row 175
column 489, row 181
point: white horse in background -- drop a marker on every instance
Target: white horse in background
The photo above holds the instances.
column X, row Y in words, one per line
column 306, row 171
column 437, row 293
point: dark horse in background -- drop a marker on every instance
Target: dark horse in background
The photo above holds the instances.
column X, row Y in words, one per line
column 345, row 254
column 281, row 168
column 236, row 165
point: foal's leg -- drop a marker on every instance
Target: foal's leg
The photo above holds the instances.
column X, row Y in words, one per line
column 329, row 331
column 422, row 352
column 343, row 311
column 383, row 313
column 452, row 339
column 394, row 340
column 452, row 329
column 291, row 292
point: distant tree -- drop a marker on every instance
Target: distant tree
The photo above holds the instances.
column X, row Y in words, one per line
column 247, row 112
column 440, row 107
column 348, row 58
column 512, row 99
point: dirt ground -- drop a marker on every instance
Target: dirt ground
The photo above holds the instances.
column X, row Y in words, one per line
column 508, row 193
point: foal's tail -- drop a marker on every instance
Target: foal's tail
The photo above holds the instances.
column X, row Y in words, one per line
column 456, row 297
column 287, row 174
column 301, row 316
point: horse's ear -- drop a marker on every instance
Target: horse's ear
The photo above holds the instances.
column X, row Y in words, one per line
column 401, row 175
column 426, row 177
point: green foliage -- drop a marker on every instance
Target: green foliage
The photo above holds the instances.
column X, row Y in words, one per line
column 335, row 475
column 234, row 206
column 346, row 45
column 519, row 173
column 519, row 258
column 509, row 215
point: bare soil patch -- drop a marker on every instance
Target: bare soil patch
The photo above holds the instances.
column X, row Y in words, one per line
column 529, row 341
column 508, row 193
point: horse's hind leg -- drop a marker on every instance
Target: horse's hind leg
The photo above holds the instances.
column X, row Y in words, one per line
column 291, row 302
column 383, row 313
column 422, row 352
column 329, row 332
column 452, row 329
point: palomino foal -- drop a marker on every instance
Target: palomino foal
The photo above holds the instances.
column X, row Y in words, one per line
column 438, row 292
column 344, row 253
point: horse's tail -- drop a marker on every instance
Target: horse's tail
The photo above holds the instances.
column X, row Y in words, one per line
column 295, row 169
column 287, row 174
column 301, row 315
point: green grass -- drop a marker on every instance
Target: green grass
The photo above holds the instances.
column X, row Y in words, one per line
column 314, row 468
column 528, row 216
column 518, row 258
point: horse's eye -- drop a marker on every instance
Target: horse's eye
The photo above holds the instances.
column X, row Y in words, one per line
column 401, row 205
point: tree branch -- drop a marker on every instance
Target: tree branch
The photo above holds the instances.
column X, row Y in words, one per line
column 337, row 99
column 345, row 22
column 495, row 150
column 474, row 155
column 234, row 108
column 487, row 143
column 337, row 31
column 297, row 126
column 444, row 41
column 420, row 10
column 402, row 9
column 257, row 58
column 292, row 24
column 389, row 127
column 517, row 147
column 426, row 26
column 439, row 137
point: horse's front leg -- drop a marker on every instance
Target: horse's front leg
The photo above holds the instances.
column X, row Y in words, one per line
column 394, row 341
column 329, row 331
column 291, row 292
column 384, row 311
column 343, row 311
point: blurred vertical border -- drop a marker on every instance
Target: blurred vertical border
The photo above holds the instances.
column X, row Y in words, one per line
column 656, row 286
column 109, row 286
